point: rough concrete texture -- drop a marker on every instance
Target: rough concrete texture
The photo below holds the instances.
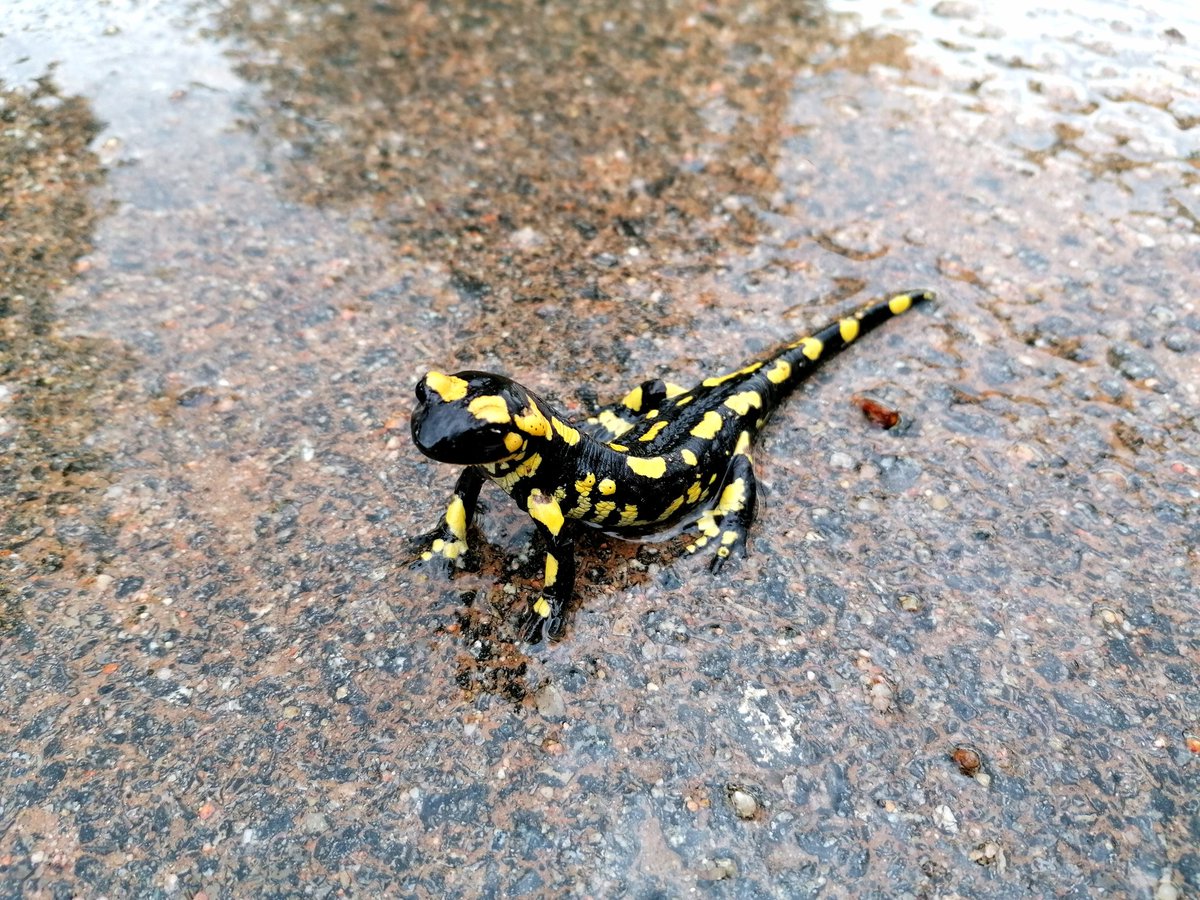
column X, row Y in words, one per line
column 961, row 659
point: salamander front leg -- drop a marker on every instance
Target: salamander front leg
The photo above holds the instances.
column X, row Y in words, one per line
column 447, row 543
column 728, row 523
column 546, row 615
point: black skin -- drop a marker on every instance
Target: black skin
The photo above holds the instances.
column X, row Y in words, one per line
column 659, row 459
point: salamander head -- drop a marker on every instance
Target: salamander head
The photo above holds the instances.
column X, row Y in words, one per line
column 474, row 418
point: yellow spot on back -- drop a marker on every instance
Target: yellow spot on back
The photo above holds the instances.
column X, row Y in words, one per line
column 551, row 569
column 613, row 424
column 620, row 448
column 541, row 607
column 564, row 431
column 654, row 467
column 670, row 510
column 743, row 444
column 689, row 457
column 490, row 408
column 633, row 400
column 709, row 426
column 545, row 510
column 456, row 518
column 448, row 387
column 513, row 441
column 608, row 486
column 900, row 303
column 848, row 329
column 684, row 400
column 721, row 379
column 654, row 430
column 812, row 347
column 780, row 372
column 745, row 401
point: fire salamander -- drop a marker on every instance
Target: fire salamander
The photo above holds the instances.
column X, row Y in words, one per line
column 662, row 457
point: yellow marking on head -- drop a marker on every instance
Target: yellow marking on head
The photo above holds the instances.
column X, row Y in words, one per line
column 653, row 467
column 608, row 486
column 633, row 400
column 551, row 569
column 812, row 347
column 900, row 303
column 456, row 518
column 689, row 457
column 490, row 408
column 603, row 508
column 693, row 493
column 743, row 445
column 709, row 426
column 620, row 448
column 526, row 468
column 541, row 607
column 780, row 372
column 744, row 402
column 629, row 514
column 569, row 435
column 654, row 430
column 585, row 484
column 533, row 423
column 670, row 510
column 613, row 424
column 848, row 329
column 545, row 510
column 448, row 387
column 513, row 442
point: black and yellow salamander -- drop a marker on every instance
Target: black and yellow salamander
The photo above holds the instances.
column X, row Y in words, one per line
column 662, row 457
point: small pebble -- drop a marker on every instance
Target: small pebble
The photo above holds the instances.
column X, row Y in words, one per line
column 745, row 806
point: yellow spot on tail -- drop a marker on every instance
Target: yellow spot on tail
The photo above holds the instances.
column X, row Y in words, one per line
column 545, row 510
column 490, row 408
column 848, row 329
column 514, row 442
column 812, row 347
column 709, row 426
column 653, row 431
column 780, row 372
column 532, row 422
column 721, row 379
column 448, row 387
column 551, row 569
column 608, row 486
column 569, row 435
column 654, row 467
column 456, row 518
column 633, row 400
column 689, row 457
column 900, row 303
column 745, row 401
column 541, row 607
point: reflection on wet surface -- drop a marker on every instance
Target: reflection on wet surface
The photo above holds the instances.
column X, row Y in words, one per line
column 961, row 658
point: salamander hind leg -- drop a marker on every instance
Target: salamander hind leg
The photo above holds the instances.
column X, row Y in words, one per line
column 727, row 524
